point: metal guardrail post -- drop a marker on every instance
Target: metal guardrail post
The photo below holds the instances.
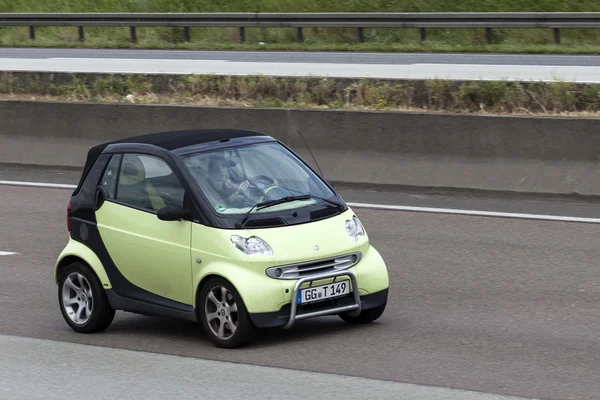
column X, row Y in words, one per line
column 186, row 32
column 423, row 34
column 556, row 36
column 488, row 35
column 81, row 34
column 300, row 35
column 32, row 32
column 361, row 35
column 242, row 34
column 133, row 34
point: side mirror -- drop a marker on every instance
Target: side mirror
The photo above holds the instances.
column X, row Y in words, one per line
column 170, row 213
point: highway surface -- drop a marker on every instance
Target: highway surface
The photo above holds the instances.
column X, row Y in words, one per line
column 492, row 306
column 579, row 68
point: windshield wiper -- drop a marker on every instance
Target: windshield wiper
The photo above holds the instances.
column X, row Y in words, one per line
column 270, row 203
column 338, row 205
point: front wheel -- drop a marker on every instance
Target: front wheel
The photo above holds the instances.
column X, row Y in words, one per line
column 223, row 315
column 366, row 316
column 82, row 300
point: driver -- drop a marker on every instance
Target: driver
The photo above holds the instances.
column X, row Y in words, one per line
column 221, row 182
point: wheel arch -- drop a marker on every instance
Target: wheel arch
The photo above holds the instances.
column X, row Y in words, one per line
column 64, row 263
column 77, row 252
column 203, row 281
column 259, row 292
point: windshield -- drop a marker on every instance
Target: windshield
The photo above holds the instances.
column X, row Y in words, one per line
column 235, row 180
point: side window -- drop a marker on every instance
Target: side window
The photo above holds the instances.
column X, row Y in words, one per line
column 148, row 183
column 109, row 179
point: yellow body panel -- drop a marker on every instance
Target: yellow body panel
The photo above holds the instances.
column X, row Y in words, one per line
column 296, row 243
column 218, row 256
column 152, row 254
column 290, row 244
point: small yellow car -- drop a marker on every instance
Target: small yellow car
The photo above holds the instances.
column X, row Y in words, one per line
column 228, row 228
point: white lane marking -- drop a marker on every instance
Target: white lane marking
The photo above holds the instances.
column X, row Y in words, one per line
column 455, row 211
column 490, row 72
column 38, row 184
column 8, row 253
column 477, row 213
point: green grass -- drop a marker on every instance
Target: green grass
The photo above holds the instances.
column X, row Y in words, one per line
column 340, row 94
column 463, row 40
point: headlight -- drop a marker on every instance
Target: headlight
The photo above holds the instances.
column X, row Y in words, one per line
column 354, row 228
column 252, row 245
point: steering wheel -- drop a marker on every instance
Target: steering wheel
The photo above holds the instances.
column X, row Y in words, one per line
column 254, row 193
column 269, row 190
column 254, row 179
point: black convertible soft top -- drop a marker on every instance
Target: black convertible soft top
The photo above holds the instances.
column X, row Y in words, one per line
column 169, row 140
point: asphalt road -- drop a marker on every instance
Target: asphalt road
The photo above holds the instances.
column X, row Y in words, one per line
column 582, row 68
column 490, row 305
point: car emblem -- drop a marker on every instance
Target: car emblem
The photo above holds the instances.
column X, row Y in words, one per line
column 316, row 247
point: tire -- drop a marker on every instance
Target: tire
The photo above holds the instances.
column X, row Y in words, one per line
column 366, row 316
column 96, row 314
column 213, row 315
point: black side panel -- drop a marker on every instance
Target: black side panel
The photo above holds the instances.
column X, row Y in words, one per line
column 85, row 230
column 82, row 204
column 91, row 158
column 121, row 303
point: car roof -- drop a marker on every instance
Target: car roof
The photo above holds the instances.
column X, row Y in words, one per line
column 168, row 140
column 172, row 140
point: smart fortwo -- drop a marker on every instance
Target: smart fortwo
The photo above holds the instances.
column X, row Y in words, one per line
column 228, row 228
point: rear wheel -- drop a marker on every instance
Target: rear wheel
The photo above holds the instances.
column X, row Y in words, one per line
column 223, row 315
column 82, row 300
column 366, row 316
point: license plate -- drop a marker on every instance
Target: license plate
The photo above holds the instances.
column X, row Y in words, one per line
column 323, row 292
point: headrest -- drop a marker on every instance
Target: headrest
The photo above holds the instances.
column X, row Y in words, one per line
column 132, row 170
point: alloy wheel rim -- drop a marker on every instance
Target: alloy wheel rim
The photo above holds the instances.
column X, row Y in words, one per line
column 77, row 298
column 221, row 312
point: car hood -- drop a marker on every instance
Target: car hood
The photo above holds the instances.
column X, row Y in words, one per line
column 309, row 241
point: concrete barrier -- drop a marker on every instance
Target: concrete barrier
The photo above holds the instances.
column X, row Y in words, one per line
column 500, row 153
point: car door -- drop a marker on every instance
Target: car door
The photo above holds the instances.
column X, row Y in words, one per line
column 152, row 254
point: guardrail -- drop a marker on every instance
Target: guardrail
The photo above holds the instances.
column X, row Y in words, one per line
column 488, row 21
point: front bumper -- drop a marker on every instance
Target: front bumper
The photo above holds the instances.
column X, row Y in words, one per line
column 368, row 289
column 291, row 312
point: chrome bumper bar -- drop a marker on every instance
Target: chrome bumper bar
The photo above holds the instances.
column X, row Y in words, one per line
column 335, row 310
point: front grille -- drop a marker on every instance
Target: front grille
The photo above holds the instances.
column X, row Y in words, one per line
column 301, row 270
